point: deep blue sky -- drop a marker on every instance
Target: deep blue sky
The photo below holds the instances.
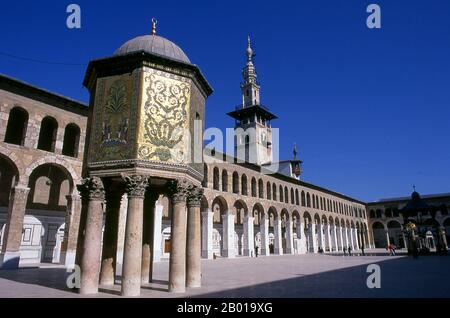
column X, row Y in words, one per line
column 369, row 109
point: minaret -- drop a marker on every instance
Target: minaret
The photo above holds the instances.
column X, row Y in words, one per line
column 253, row 130
column 250, row 88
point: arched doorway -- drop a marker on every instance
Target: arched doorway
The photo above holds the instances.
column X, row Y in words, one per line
column 395, row 233
column 379, row 235
column 49, row 184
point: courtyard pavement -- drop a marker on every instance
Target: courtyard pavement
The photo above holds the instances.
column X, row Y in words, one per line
column 288, row 276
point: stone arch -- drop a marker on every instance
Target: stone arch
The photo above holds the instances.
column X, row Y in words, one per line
column 224, row 180
column 272, row 214
column 258, row 213
column 297, row 197
column 261, row 188
column 308, row 200
column 303, row 198
column 331, row 221
column 244, row 184
column 285, row 215
column 240, row 212
column 274, row 192
column 219, row 207
column 286, row 195
column 71, row 142
column 281, row 191
column 269, row 191
column 216, row 179
column 47, row 134
column 236, row 183
column 63, row 164
column 307, row 217
column 49, row 185
column 254, row 188
column 204, row 205
column 9, row 177
column 295, row 215
column 16, row 128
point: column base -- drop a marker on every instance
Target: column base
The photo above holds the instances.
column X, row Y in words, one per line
column 249, row 253
column 68, row 259
column 290, row 251
column 9, row 260
column 208, row 254
column 229, row 254
column 265, row 252
column 278, row 251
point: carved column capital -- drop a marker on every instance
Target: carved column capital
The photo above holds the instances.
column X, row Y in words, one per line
column 20, row 193
column 91, row 189
column 179, row 190
column 195, row 197
column 136, row 185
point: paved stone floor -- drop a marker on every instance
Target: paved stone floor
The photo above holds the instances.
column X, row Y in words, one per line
column 305, row 276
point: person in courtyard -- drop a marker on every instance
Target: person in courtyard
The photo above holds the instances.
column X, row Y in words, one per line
column 345, row 251
column 349, row 251
column 256, row 251
column 392, row 248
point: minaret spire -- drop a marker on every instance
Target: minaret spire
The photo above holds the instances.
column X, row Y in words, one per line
column 250, row 88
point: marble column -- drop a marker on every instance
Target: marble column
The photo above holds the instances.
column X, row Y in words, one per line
column 289, row 237
column 335, row 238
column 157, row 243
column 388, row 240
column 147, row 238
column 193, row 248
column 228, row 235
column 301, row 238
column 109, row 248
column 207, row 235
column 12, row 237
column 327, row 238
column 347, row 240
column 90, row 261
column 121, row 233
column 278, row 246
column 357, row 238
column 83, row 190
column 321, row 236
column 136, row 186
column 177, row 264
column 264, row 230
column 72, row 223
column 315, row 248
column 249, row 236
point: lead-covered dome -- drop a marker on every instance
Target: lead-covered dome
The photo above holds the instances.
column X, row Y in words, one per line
column 154, row 44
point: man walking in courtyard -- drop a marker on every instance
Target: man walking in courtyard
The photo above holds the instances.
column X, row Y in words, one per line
column 349, row 251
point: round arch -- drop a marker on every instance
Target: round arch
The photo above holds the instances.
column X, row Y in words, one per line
column 61, row 163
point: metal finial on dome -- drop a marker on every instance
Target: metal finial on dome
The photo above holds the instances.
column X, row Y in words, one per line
column 154, row 23
column 295, row 151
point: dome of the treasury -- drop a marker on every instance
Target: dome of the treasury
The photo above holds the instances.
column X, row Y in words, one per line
column 156, row 45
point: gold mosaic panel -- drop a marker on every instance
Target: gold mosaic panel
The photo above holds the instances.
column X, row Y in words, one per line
column 164, row 121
